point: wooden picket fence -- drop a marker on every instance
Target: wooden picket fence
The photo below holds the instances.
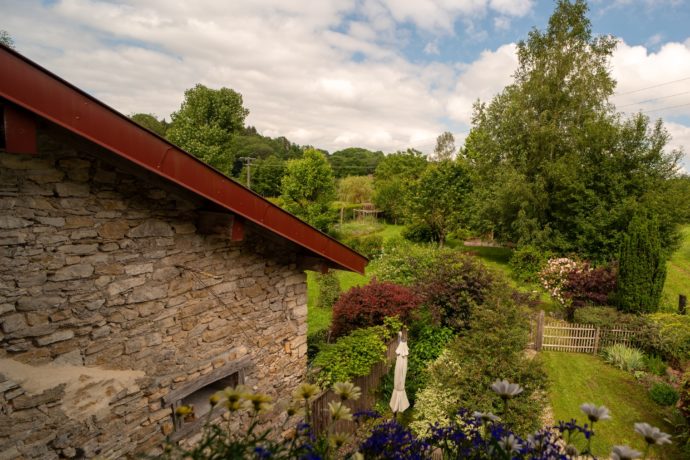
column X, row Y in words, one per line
column 548, row 334
column 368, row 384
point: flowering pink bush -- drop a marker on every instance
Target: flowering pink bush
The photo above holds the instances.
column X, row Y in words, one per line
column 554, row 277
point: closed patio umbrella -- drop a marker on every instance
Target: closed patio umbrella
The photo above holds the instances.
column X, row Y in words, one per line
column 399, row 400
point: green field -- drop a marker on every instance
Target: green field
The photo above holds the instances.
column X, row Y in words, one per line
column 677, row 274
column 577, row 378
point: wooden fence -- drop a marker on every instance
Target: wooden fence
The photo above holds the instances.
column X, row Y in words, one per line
column 548, row 334
column 368, row 385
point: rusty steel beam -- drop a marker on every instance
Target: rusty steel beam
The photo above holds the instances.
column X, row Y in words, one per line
column 39, row 91
column 20, row 130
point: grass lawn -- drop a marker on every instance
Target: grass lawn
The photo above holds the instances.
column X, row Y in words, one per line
column 577, row 378
column 320, row 318
column 677, row 274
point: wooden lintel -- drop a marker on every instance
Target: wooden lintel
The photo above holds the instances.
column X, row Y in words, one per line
column 20, row 131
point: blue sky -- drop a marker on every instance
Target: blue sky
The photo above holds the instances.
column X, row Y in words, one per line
column 381, row 74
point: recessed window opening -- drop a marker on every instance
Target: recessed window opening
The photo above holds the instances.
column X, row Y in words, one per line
column 197, row 393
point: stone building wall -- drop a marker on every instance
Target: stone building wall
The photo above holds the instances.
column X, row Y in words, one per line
column 111, row 297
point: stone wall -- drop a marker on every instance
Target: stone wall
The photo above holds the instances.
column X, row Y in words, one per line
column 111, row 297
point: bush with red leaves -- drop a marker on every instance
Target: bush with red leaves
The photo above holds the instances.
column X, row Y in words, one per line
column 590, row 285
column 368, row 305
column 454, row 285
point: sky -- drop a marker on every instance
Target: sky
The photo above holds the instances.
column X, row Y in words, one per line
column 381, row 74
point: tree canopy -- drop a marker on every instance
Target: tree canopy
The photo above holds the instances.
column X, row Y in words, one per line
column 554, row 164
column 206, row 123
column 445, row 147
column 354, row 161
column 308, row 188
column 394, row 173
column 150, row 122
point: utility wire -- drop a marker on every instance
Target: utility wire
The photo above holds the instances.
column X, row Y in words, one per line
column 653, row 86
column 653, row 99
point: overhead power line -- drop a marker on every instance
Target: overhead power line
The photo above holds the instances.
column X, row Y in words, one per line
column 653, row 86
column 654, row 99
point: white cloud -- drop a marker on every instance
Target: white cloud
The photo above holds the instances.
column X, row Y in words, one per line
column 502, row 23
column 482, row 79
column 512, row 7
column 652, row 82
column 680, row 139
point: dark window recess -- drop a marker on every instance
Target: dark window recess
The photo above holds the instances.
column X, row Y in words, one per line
column 197, row 394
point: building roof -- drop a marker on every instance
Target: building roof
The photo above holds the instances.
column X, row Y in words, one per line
column 43, row 93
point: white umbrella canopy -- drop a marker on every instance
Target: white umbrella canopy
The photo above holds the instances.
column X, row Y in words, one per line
column 399, row 400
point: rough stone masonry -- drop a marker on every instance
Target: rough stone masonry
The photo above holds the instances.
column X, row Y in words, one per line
column 111, row 297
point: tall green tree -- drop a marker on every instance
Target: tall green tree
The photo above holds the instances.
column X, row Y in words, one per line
column 394, row 173
column 206, row 123
column 150, row 122
column 356, row 189
column 308, row 189
column 439, row 197
column 554, row 164
column 642, row 268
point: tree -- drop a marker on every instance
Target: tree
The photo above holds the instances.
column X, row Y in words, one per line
column 354, row 161
column 554, row 165
column 308, row 188
column 445, row 147
column 266, row 176
column 393, row 175
column 356, row 189
column 206, row 123
column 438, row 198
column 642, row 268
column 6, row 39
column 150, row 122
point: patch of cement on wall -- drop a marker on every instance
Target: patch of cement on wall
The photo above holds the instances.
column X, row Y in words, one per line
column 88, row 390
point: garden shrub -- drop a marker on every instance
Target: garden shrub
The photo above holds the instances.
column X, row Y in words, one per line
column 369, row 305
column 671, row 336
column 329, row 289
column 575, row 283
column 642, row 269
column 453, row 287
column 406, row 264
column 623, row 357
column 526, row 262
column 655, row 365
column 609, row 317
column 315, row 342
column 663, row 394
column 354, row 354
column 418, row 232
column 589, row 285
column 370, row 246
column 492, row 348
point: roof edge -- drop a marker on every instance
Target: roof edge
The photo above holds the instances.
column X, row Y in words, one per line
column 38, row 90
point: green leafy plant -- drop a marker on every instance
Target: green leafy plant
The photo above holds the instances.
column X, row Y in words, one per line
column 655, row 365
column 624, row 357
column 526, row 262
column 329, row 289
column 671, row 336
column 369, row 245
column 354, row 354
column 492, row 348
column 663, row 394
